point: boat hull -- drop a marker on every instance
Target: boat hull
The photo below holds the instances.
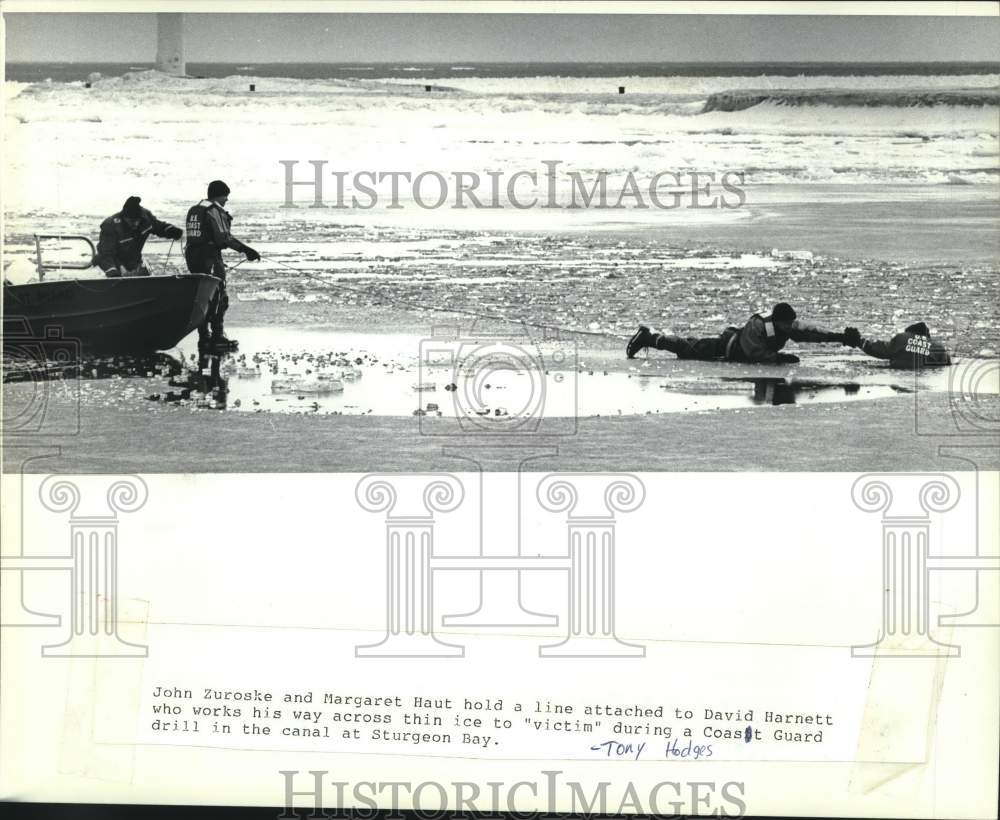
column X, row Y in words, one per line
column 107, row 316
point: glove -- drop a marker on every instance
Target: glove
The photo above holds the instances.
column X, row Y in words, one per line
column 251, row 254
column 787, row 358
column 173, row 232
column 852, row 337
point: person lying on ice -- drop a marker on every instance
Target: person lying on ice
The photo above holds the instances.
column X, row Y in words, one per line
column 914, row 347
column 123, row 235
column 759, row 341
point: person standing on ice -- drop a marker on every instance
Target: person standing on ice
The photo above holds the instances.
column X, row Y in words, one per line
column 912, row 348
column 208, row 234
column 759, row 341
column 123, row 236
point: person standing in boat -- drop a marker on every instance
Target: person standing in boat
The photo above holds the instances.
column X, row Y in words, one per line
column 208, row 234
column 123, row 235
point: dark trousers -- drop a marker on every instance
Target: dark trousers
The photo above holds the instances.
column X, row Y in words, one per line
column 708, row 349
column 212, row 265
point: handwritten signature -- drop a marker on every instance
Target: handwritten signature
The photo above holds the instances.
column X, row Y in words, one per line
column 633, row 751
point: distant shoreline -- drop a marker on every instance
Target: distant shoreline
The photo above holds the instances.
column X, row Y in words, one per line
column 69, row 71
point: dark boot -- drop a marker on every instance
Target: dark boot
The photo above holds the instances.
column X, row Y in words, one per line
column 640, row 340
column 220, row 342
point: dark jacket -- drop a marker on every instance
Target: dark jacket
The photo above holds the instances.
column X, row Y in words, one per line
column 908, row 350
column 208, row 230
column 119, row 249
column 761, row 339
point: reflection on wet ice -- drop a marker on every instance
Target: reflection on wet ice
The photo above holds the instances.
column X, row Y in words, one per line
column 327, row 373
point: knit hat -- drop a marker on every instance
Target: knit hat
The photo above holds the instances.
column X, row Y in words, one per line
column 783, row 312
column 919, row 328
column 217, row 188
column 132, row 209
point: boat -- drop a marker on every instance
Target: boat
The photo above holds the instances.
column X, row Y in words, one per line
column 103, row 315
